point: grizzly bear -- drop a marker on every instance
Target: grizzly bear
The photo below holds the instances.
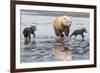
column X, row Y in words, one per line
column 79, row 32
column 28, row 31
column 62, row 25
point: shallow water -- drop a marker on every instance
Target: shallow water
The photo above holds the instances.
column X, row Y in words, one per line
column 41, row 50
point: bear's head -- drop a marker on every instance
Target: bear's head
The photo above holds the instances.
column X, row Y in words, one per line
column 33, row 27
column 66, row 21
column 84, row 30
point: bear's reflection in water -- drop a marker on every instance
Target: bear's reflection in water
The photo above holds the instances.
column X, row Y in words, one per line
column 61, row 51
column 29, row 41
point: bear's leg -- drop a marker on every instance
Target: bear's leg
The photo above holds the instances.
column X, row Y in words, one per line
column 29, row 37
column 57, row 33
column 71, row 35
column 75, row 36
column 82, row 37
column 66, row 33
column 26, row 40
column 25, row 36
column 33, row 34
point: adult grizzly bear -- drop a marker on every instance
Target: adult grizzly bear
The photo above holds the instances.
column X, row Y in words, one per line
column 79, row 32
column 28, row 31
column 62, row 25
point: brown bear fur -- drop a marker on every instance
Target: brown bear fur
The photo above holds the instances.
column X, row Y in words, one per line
column 79, row 32
column 28, row 31
column 62, row 25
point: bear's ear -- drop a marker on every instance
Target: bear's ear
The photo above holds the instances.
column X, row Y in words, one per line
column 70, row 17
column 33, row 25
column 64, row 17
